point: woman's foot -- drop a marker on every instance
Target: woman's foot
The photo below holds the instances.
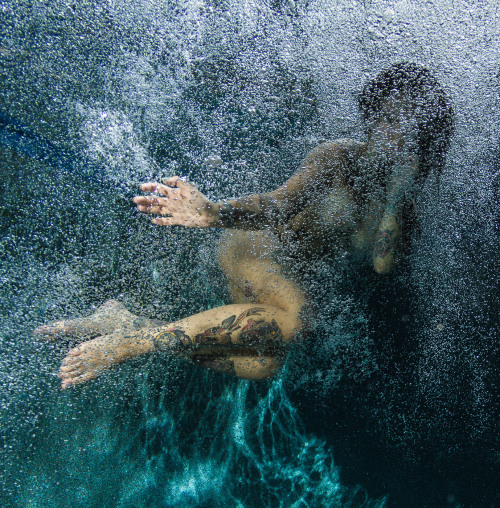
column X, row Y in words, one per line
column 110, row 316
column 92, row 358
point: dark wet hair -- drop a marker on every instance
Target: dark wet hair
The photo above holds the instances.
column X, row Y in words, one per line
column 434, row 118
column 433, row 111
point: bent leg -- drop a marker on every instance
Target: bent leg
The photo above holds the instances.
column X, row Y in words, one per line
column 110, row 316
column 246, row 329
column 246, row 259
column 248, row 339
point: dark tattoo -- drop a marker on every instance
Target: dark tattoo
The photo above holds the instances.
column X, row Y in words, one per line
column 256, row 332
column 248, row 290
column 227, row 214
column 261, row 332
column 268, row 211
column 384, row 243
column 247, row 213
column 171, row 340
column 230, row 215
column 222, row 334
column 217, row 363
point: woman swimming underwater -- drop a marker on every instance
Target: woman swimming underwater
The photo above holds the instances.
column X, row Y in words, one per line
column 346, row 195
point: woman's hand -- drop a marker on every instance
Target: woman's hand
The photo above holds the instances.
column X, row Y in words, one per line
column 180, row 202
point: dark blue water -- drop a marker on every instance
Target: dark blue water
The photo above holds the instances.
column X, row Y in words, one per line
column 393, row 399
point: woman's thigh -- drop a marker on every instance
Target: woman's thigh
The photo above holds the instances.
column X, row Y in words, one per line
column 254, row 367
column 254, row 276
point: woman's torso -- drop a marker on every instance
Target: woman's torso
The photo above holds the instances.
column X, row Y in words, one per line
column 346, row 218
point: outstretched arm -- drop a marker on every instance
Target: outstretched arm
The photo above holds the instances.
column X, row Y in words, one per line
column 179, row 203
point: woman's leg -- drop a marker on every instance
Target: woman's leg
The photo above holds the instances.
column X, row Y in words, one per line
column 109, row 317
column 253, row 277
column 249, row 330
column 248, row 338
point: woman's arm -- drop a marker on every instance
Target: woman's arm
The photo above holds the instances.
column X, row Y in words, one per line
column 386, row 241
column 389, row 234
column 181, row 204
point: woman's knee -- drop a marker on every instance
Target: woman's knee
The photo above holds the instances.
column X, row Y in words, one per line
column 256, row 368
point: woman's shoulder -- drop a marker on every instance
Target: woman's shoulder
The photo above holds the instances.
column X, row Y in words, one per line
column 342, row 146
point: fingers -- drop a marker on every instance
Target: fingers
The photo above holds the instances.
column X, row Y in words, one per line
column 176, row 181
column 150, row 201
column 157, row 210
column 165, row 190
column 173, row 182
column 159, row 205
column 168, row 221
column 155, row 205
column 179, row 200
column 149, row 186
column 174, row 192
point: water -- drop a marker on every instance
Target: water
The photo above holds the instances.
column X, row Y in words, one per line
column 394, row 401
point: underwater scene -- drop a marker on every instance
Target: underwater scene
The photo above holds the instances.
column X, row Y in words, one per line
column 348, row 355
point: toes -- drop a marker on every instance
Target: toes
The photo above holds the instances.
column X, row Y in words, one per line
column 69, row 373
column 52, row 331
column 66, row 369
column 72, row 353
column 43, row 331
column 76, row 373
column 66, row 383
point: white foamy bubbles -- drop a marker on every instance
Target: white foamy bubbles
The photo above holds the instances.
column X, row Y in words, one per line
column 114, row 146
column 214, row 161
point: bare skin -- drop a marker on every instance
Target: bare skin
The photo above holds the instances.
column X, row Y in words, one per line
column 248, row 343
column 110, row 316
column 249, row 338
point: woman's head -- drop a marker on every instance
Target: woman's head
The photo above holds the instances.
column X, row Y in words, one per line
column 430, row 108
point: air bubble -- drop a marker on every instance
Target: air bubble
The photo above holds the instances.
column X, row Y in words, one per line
column 214, row 161
column 388, row 15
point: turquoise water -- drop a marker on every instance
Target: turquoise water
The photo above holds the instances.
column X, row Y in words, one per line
column 391, row 402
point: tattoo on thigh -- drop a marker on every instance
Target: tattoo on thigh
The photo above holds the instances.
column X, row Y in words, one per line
column 254, row 332
column 222, row 334
column 261, row 332
column 171, row 340
column 249, row 291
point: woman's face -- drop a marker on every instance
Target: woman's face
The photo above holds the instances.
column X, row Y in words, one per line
column 392, row 145
column 394, row 128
